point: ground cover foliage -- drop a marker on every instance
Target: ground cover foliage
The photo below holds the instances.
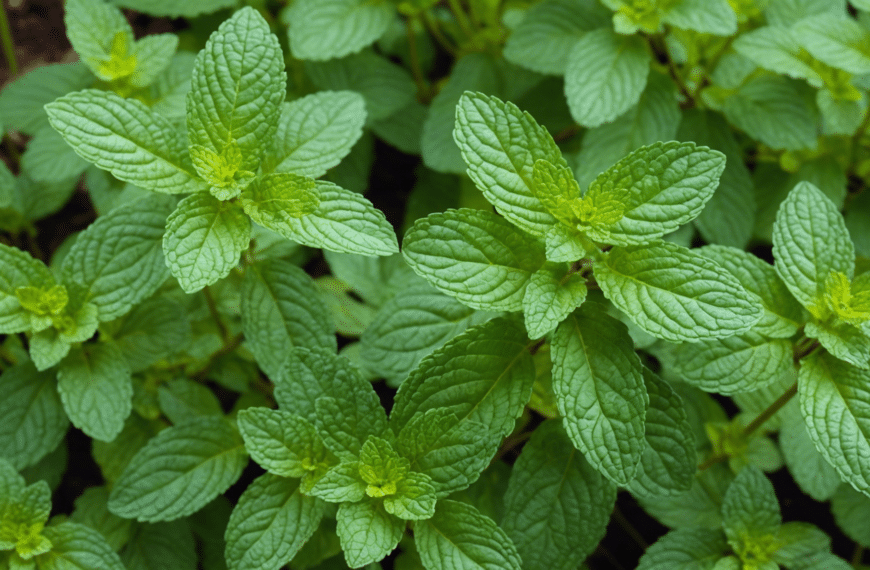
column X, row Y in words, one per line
column 631, row 267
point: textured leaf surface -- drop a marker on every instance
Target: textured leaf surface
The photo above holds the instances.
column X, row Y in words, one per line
column 557, row 506
column 92, row 28
column 839, row 42
column 600, row 391
column 22, row 100
column 689, row 548
column 327, row 29
column 270, row 523
column 316, row 132
column 706, row 16
column 750, row 508
column 179, row 471
column 458, row 537
column 500, row 144
column 474, row 256
column 605, row 75
column 281, row 309
column 851, row 509
column 237, row 88
column 119, row 258
column 551, row 295
column 281, row 442
column 94, row 383
column 126, row 138
column 367, row 532
column 274, row 200
column 78, row 547
column 20, row 270
column 676, row 294
column 204, row 239
column 813, row 474
column 175, row 9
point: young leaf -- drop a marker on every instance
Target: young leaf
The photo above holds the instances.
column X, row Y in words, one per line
column 500, row 144
column 78, row 546
column 282, row 443
column 270, row 523
column 94, row 27
column 340, row 484
column 179, row 471
column 237, row 88
column 119, row 258
column 94, row 383
column 600, row 391
column 605, row 75
column 126, row 138
column 458, row 536
column 551, row 295
column 316, row 132
column 843, row 341
column 153, row 54
column 676, row 294
column 557, row 506
column 750, row 509
column 474, row 256
column 281, row 309
column 20, row 270
column 810, row 240
column 367, row 532
column 204, row 239
column 414, row 499
column 685, row 548
column 327, row 29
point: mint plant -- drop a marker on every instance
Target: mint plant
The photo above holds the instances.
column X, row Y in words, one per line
column 628, row 324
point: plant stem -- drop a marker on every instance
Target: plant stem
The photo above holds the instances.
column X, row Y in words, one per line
column 8, row 44
column 433, row 28
column 625, row 525
column 857, row 556
column 461, row 17
column 212, row 308
column 416, row 68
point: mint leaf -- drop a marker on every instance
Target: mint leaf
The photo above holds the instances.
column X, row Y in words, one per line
column 475, row 256
column 500, row 144
column 179, row 471
column 788, row 12
column 22, row 100
column 175, row 9
column 367, row 532
column 851, row 509
column 281, row 309
column 182, row 399
column 237, row 88
column 153, row 55
column 204, row 239
column 685, row 548
column 282, row 443
column 75, row 545
column 414, row 499
column 126, row 138
column 552, row 293
column 659, row 187
column 458, row 536
column 316, row 132
column 326, row 29
column 834, row 403
column 600, row 391
column 344, row 222
column 273, row 200
column 345, row 423
column 750, row 509
column 605, row 75
column 840, row 42
column 705, row 16
column 93, row 28
column 119, row 258
column 270, row 523
column 94, row 383
column 843, row 341
column 557, row 506
column 484, row 375
column 153, row 330
column 20, row 270
column 34, row 420
column 813, row 474
column 549, row 31
column 341, row 483
column 676, row 294
column 48, row 158
column 778, row 49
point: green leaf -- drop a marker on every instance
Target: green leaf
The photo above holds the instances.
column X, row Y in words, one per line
column 23, row 520
column 484, row 375
column 409, row 326
column 750, row 509
column 179, row 471
column 340, row 484
column 316, row 132
column 600, row 391
column 705, row 16
column 843, row 341
column 381, row 468
column 834, row 402
column 740, row 363
column 851, row 509
column 270, row 523
column 48, row 158
column 778, row 49
column 657, row 188
column 669, row 461
column 605, row 75
column 155, row 329
column 676, row 294
column 321, row 30
column 459, row 537
column 367, row 532
column 500, row 144
column 783, row 315
column 77, row 546
column 557, row 506
column 810, row 240
column 34, row 420
column 204, row 239
column 222, row 171
column 119, row 258
column 94, row 383
column 475, row 256
column 344, row 222
column 273, row 200
column 153, row 546
column 237, row 88
column 689, row 548
column 549, row 31
column 22, row 100
column 815, row 476
column 345, row 423
column 126, row 138
column 181, row 399
column 787, row 12
column 19, row 270
column 552, row 293
column 91, row 509
column 175, row 9
column 386, row 87
column 281, row 309
column 153, row 55
column 284, row 444
column 414, row 499
column 842, row 43
column 93, row 28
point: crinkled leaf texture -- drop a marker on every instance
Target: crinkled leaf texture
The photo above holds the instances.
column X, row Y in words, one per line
column 686, row 548
column 327, row 29
column 179, row 471
column 77, row 546
column 367, row 532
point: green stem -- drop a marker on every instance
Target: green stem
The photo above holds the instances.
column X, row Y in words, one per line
column 461, row 17
column 212, row 308
column 857, row 556
column 8, row 44
column 433, row 28
column 625, row 525
column 416, row 68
